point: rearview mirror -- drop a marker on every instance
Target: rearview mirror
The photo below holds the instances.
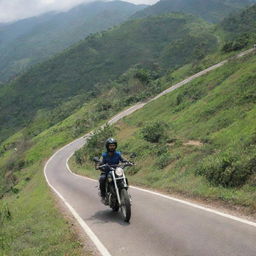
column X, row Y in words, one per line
column 96, row 159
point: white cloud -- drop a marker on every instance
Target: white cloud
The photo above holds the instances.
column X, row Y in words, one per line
column 11, row 10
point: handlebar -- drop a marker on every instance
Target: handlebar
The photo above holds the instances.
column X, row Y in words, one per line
column 123, row 165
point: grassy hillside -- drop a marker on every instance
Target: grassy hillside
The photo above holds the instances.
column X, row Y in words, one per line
column 168, row 164
column 210, row 10
column 33, row 40
column 199, row 140
column 22, row 157
column 158, row 44
column 30, row 223
column 24, row 195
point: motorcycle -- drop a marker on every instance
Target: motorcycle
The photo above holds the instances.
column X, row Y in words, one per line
column 117, row 196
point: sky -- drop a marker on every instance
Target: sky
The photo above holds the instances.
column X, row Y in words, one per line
column 12, row 10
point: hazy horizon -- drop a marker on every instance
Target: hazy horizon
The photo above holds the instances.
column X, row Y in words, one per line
column 14, row 10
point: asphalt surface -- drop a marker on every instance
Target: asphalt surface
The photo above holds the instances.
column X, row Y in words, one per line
column 158, row 226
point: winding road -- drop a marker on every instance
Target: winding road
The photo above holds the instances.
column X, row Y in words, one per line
column 160, row 225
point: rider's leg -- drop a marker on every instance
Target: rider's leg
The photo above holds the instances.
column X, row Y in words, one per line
column 102, row 181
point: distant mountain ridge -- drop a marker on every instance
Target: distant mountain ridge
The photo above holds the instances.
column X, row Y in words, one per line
column 32, row 40
column 209, row 10
column 155, row 43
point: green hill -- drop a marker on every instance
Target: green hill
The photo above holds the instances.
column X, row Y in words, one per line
column 156, row 43
column 33, row 40
column 210, row 10
column 239, row 29
column 208, row 127
column 198, row 141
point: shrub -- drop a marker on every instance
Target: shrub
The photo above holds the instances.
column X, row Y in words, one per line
column 79, row 157
column 94, row 145
column 5, row 213
column 236, row 45
column 159, row 149
column 155, row 132
column 163, row 160
column 133, row 170
column 228, row 170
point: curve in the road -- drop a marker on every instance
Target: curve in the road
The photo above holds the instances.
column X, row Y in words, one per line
column 102, row 249
column 62, row 155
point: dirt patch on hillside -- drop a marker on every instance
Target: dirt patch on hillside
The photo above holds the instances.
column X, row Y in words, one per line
column 193, row 143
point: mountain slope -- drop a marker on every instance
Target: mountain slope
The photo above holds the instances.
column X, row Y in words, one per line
column 210, row 137
column 29, row 41
column 157, row 43
column 210, row 10
column 243, row 23
column 198, row 140
column 176, row 174
column 239, row 30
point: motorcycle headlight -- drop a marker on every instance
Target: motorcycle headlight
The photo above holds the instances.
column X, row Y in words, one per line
column 119, row 171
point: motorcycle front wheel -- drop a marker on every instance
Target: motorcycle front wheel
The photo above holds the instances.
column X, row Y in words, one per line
column 125, row 205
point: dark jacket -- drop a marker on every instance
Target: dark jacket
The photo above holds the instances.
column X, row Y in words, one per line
column 112, row 160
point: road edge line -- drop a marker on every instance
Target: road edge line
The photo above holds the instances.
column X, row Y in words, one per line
column 99, row 245
column 229, row 216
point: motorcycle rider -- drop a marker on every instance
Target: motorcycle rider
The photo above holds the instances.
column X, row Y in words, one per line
column 110, row 157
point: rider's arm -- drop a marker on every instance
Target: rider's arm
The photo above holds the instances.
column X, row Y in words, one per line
column 122, row 159
column 102, row 161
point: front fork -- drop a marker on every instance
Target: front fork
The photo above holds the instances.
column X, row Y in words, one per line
column 116, row 187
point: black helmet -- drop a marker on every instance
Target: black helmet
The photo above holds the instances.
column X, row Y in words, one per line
column 110, row 141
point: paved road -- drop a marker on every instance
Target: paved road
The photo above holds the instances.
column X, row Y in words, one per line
column 159, row 225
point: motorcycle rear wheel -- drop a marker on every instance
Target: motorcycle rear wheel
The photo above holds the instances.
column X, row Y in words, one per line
column 125, row 205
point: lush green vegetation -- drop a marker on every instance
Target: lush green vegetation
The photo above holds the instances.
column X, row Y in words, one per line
column 23, row 154
column 25, row 197
column 208, row 149
column 133, row 86
column 33, row 40
column 30, row 223
column 240, row 30
column 102, row 57
column 198, row 140
column 94, row 145
column 210, row 10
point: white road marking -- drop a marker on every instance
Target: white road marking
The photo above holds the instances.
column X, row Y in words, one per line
column 232, row 217
column 102, row 249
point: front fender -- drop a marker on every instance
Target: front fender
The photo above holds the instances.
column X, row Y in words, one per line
column 121, row 184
